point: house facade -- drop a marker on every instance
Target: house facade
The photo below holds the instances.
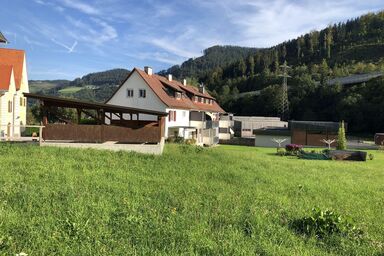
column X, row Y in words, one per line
column 13, row 83
column 192, row 112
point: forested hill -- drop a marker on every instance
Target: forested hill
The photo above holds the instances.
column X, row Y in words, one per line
column 96, row 86
column 353, row 47
column 109, row 77
column 215, row 56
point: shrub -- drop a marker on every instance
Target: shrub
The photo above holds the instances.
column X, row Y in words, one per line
column 371, row 156
column 341, row 140
column 323, row 224
column 280, row 152
column 175, row 140
column 293, row 148
column 190, row 141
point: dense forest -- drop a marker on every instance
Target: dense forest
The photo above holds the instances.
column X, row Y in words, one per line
column 252, row 86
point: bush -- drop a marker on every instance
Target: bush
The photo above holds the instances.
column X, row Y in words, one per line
column 293, row 148
column 178, row 140
column 280, row 152
column 324, row 224
column 341, row 140
column 371, row 156
column 190, row 141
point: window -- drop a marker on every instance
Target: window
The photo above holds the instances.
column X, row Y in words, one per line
column 201, row 99
column 172, row 115
column 142, row 93
column 9, row 106
column 129, row 93
column 178, row 95
column 195, row 98
column 21, row 101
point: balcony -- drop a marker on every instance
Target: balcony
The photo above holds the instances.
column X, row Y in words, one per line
column 211, row 124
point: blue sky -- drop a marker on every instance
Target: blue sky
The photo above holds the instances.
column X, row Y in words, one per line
column 65, row 39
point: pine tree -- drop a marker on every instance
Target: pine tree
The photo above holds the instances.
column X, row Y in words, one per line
column 341, row 140
column 251, row 66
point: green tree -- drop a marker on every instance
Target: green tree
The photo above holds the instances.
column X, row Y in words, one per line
column 341, row 139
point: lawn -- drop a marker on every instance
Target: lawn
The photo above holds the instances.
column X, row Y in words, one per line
column 227, row 200
column 70, row 90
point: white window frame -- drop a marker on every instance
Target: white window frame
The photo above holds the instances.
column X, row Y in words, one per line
column 130, row 93
column 142, row 93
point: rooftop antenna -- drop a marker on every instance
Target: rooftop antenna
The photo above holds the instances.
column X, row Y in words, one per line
column 284, row 103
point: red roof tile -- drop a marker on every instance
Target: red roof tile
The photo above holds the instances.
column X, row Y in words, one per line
column 14, row 58
column 5, row 77
column 159, row 85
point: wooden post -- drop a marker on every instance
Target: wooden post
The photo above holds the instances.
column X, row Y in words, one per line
column 78, row 115
column 45, row 113
column 161, row 121
column 40, row 135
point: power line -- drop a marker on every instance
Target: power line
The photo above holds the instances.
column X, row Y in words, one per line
column 284, row 103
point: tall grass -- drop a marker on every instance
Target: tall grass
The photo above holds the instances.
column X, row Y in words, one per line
column 228, row 200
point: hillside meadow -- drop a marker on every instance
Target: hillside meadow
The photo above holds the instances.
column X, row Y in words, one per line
column 227, row 200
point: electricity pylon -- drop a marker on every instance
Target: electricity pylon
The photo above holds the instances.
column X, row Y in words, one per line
column 284, row 103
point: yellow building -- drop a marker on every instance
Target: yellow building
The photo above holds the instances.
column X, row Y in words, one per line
column 13, row 83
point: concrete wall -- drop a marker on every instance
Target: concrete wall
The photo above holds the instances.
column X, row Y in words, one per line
column 267, row 140
column 244, row 125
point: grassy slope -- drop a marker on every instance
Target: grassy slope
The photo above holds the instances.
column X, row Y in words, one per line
column 38, row 86
column 70, row 90
column 227, row 200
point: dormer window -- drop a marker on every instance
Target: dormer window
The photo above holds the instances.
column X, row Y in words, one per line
column 178, row 95
column 195, row 98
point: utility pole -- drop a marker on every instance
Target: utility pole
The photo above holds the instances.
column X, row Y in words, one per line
column 284, row 103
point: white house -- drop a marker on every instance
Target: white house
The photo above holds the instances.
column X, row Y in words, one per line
column 192, row 112
column 13, row 83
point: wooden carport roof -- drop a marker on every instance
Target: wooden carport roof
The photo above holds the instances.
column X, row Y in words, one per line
column 80, row 104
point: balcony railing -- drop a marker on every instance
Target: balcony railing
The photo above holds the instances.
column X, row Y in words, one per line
column 211, row 124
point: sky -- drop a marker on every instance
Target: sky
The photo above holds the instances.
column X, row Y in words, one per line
column 65, row 39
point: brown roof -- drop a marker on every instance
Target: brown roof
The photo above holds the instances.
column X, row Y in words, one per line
column 159, row 85
column 14, row 58
column 5, row 76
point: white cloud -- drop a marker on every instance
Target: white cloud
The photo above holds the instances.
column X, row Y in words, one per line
column 80, row 6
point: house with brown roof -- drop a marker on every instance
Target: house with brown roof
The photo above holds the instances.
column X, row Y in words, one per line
column 13, row 83
column 192, row 112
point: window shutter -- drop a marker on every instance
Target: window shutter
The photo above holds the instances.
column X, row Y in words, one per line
column 174, row 116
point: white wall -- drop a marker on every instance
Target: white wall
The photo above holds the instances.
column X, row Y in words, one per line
column 267, row 141
column 136, row 82
column 6, row 117
column 182, row 119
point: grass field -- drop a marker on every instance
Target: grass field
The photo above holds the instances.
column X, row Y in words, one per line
column 227, row 200
column 70, row 90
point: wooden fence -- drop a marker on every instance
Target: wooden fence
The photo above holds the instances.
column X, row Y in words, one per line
column 101, row 133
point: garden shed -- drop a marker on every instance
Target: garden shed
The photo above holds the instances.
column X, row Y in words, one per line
column 311, row 133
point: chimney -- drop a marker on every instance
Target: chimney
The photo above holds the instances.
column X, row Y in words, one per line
column 148, row 70
column 185, row 82
column 201, row 88
column 169, row 77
